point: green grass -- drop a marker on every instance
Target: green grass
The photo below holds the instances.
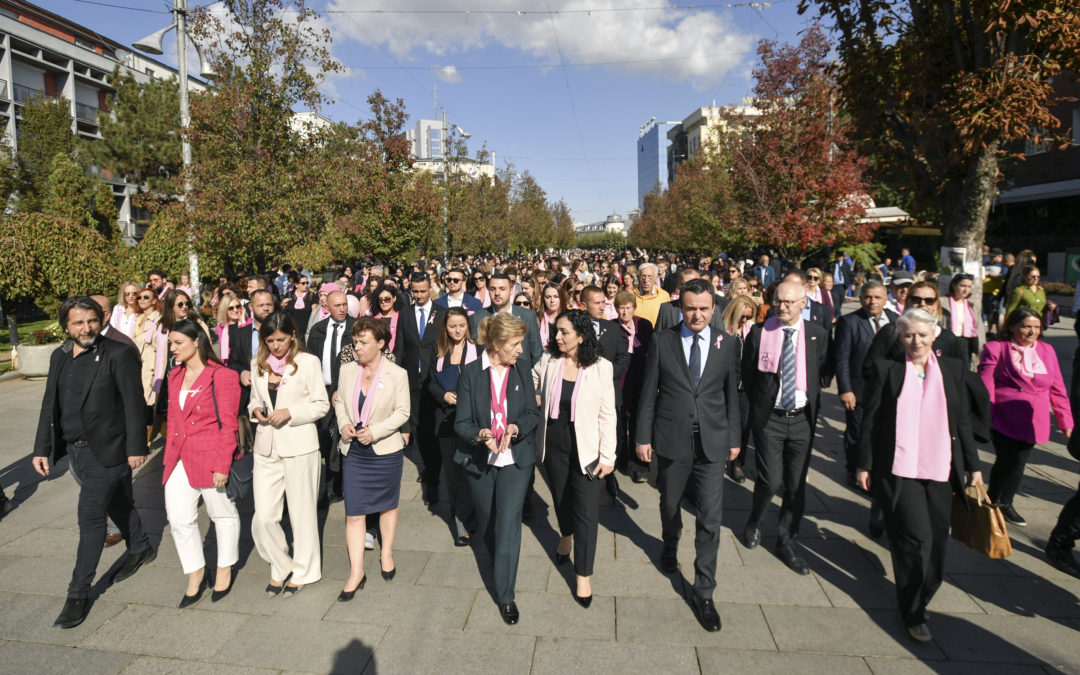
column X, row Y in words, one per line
column 24, row 330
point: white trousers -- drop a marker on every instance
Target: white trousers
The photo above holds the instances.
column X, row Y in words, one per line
column 275, row 479
column 182, row 509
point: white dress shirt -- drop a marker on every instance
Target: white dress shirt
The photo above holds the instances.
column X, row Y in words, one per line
column 327, row 356
column 882, row 321
column 427, row 314
column 498, row 458
column 800, row 396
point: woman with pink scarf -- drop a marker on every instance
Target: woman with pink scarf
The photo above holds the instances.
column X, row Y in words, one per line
column 1022, row 375
column 915, row 447
column 553, row 302
column 963, row 321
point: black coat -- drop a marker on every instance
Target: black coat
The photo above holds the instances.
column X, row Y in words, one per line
column 631, row 386
column 854, row 335
column 113, row 407
column 613, row 348
column 412, row 347
column 474, row 414
column 670, row 314
column 317, row 341
column 762, row 388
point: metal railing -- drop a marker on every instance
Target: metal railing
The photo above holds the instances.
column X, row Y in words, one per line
column 86, row 113
column 24, row 93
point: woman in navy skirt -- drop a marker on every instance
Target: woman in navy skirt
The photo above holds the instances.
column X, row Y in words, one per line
column 372, row 406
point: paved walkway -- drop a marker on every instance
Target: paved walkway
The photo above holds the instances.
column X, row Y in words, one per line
column 1013, row 616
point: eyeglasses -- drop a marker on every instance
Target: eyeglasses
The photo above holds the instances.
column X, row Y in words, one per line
column 183, row 304
column 917, row 300
column 788, row 303
column 383, row 300
column 146, row 297
column 813, row 277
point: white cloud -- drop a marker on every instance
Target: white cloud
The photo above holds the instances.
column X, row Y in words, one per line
column 448, row 73
column 694, row 45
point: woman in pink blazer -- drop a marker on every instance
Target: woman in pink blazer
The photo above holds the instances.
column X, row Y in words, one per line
column 204, row 403
column 1024, row 380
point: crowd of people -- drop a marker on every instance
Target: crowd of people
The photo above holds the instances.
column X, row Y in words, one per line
column 693, row 370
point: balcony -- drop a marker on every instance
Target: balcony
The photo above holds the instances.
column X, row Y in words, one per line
column 3, row 90
column 86, row 113
column 24, row 94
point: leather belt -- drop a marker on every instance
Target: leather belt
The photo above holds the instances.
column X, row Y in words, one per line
column 780, row 412
column 80, row 444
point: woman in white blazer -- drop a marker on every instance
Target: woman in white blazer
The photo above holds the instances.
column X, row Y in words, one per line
column 372, row 405
column 287, row 398
column 577, row 438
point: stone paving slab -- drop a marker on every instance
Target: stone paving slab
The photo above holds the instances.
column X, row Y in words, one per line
column 566, row 655
column 153, row 665
column 407, row 651
column 33, row 658
column 159, row 631
column 713, row 660
column 671, row 622
column 318, row 647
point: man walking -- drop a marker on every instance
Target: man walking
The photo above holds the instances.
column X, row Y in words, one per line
column 93, row 411
column 327, row 339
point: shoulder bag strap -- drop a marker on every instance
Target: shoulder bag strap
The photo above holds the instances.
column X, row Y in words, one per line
column 213, row 396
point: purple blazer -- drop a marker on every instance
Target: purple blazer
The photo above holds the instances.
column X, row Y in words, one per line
column 1020, row 407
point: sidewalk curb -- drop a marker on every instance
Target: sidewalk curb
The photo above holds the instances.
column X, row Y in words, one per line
column 10, row 375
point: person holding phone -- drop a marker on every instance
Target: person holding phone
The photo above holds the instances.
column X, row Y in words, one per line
column 577, row 439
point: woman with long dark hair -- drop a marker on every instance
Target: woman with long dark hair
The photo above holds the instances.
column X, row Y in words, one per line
column 300, row 301
column 963, row 319
column 204, row 399
column 386, row 306
column 577, row 439
column 553, row 302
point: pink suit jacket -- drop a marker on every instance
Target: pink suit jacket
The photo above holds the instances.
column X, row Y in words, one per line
column 1020, row 408
column 193, row 434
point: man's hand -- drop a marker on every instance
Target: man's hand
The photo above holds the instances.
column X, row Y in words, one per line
column 280, row 418
column 136, row 461
column 245, row 378
column 450, row 397
column 365, row 436
column 848, row 400
column 41, row 465
column 862, row 477
column 220, row 479
column 733, row 453
column 644, row 452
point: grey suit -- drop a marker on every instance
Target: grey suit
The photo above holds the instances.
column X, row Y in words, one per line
column 531, row 349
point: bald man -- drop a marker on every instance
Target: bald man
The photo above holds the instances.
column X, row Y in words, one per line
column 326, row 341
column 107, row 330
column 781, row 370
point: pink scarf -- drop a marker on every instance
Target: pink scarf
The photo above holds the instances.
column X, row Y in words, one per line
column 299, row 302
column 161, row 349
column 610, row 313
column 556, row 392
column 393, row 330
column 545, row 330
column 498, row 406
column 223, row 340
column 470, row 356
column 746, row 329
column 923, row 446
column 968, row 329
column 363, row 415
column 1026, row 360
column 277, row 364
column 772, row 347
column 323, row 313
column 486, row 300
column 633, row 342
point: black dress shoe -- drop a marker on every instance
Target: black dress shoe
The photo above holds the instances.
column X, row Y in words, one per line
column 706, row 613
column 669, row 561
column 1063, row 559
column 786, row 552
column 509, row 613
column 751, row 536
column 132, row 563
column 638, row 477
column 584, row 601
column 73, row 614
column 1012, row 516
column 345, row 596
column 737, row 474
column 463, row 540
column 216, row 595
column 562, row 558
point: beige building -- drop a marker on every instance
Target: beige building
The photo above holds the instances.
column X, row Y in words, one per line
column 700, row 130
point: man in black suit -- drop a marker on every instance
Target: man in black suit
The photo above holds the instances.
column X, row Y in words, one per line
column 244, row 341
column 843, row 277
column 419, row 333
column 499, row 288
column 781, row 369
column 93, row 411
column 326, row 341
column 670, row 313
column 613, row 347
column 854, row 334
column 689, row 409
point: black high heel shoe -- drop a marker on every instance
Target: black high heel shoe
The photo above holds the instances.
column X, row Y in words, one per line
column 583, row 601
column 389, row 575
column 562, row 558
column 189, row 600
column 346, row 596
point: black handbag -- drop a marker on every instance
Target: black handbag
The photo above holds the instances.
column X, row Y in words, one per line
column 238, row 486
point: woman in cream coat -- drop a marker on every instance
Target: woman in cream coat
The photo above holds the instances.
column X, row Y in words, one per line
column 577, row 437
column 372, row 405
column 287, row 398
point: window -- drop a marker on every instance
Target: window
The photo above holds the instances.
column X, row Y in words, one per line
column 150, row 72
column 1033, row 147
column 84, row 44
column 9, row 14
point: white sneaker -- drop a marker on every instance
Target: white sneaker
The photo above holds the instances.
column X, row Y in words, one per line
column 369, row 542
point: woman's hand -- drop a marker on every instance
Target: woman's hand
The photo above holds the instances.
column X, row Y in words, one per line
column 279, row 418
column 220, row 479
column 450, row 397
column 1067, row 433
column 511, row 433
column 487, row 439
column 260, row 417
column 975, row 478
column 348, row 432
column 365, row 436
column 1051, row 305
column 862, row 477
column 602, row 470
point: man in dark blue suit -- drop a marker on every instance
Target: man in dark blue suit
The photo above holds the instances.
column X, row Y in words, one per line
column 500, row 288
column 456, row 296
column 854, row 334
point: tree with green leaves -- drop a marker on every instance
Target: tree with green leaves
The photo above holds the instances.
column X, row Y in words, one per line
column 44, row 134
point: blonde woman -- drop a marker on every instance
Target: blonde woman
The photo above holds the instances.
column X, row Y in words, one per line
column 126, row 312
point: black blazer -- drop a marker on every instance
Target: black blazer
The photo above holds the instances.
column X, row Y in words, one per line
column 317, row 340
column 301, row 317
column 631, row 386
column 113, row 407
column 412, row 347
column 240, row 355
column 854, row 334
column 474, row 414
column 762, row 388
column 877, row 440
column 613, row 347
column 670, row 314
column 886, row 345
column 668, row 399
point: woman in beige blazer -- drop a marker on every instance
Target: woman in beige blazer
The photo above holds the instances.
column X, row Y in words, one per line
column 577, row 438
column 287, row 398
column 372, row 405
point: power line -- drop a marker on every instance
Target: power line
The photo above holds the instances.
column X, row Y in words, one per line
column 133, row 9
column 549, row 11
column 570, row 94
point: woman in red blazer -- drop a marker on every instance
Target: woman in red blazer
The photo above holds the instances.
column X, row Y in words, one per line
column 198, row 455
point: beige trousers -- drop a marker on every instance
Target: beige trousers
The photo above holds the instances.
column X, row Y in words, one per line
column 275, row 479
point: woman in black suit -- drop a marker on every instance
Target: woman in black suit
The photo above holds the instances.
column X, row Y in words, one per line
column 443, row 364
column 496, row 417
column 299, row 303
column 915, row 446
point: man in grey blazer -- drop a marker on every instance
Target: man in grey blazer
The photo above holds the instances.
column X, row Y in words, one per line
column 689, row 407
column 500, row 289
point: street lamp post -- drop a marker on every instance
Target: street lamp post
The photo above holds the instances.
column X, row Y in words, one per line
column 152, row 45
column 445, row 144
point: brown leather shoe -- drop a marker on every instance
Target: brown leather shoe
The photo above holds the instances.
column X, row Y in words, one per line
column 113, row 538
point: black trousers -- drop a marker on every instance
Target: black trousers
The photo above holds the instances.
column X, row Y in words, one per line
column 104, row 490
column 426, row 440
column 1008, row 469
column 577, row 503
column 498, row 497
column 853, row 425
column 625, row 452
column 1067, row 530
column 703, row 482
column 918, row 529
column 783, row 459
column 744, row 444
column 462, row 514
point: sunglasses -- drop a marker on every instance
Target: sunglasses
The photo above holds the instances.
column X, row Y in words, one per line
column 479, row 278
column 234, row 308
column 916, row 300
column 384, row 300
column 183, row 304
column 146, row 297
column 813, row 277
column 523, row 303
column 454, row 280
column 127, row 293
column 302, row 282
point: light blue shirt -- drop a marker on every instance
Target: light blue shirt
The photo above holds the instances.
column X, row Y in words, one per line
column 254, row 342
column 688, row 339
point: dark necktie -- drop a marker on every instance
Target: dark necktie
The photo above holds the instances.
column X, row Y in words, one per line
column 423, row 323
column 695, row 362
column 334, row 343
column 787, row 371
column 877, row 324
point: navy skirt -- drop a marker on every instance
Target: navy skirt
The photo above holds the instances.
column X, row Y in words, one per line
column 371, row 483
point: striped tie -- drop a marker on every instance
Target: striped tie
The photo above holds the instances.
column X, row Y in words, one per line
column 787, row 371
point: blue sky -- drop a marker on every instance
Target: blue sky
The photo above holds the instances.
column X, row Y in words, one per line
column 574, row 128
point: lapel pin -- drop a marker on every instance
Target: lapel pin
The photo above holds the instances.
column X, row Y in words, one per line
column 719, row 339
